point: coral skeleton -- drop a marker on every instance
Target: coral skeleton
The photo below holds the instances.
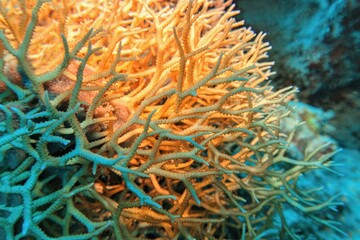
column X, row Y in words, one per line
column 143, row 119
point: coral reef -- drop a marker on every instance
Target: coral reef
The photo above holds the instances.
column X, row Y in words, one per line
column 316, row 130
column 144, row 119
column 316, row 47
column 315, row 42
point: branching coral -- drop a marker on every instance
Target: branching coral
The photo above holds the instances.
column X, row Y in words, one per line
column 141, row 119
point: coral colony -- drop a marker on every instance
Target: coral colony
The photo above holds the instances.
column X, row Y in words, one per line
column 143, row 119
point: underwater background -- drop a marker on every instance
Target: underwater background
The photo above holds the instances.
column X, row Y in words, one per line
column 316, row 46
column 85, row 165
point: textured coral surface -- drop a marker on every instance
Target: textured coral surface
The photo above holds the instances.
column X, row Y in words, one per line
column 143, row 119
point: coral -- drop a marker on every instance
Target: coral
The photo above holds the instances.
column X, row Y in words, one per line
column 143, row 119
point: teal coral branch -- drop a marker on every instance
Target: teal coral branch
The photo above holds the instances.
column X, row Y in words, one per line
column 143, row 197
column 18, row 91
column 13, row 136
column 85, row 236
column 75, row 92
